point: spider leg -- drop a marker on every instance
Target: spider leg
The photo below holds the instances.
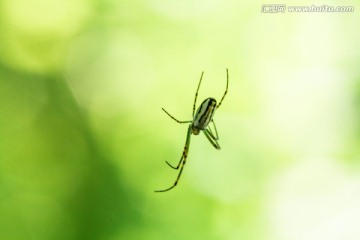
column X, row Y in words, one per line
column 177, row 167
column 211, row 138
column 182, row 160
column 175, row 118
column 216, row 136
column 196, row 94
column 227, row 83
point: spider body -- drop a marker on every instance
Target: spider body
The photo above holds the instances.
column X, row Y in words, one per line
column 204, row 115
column 201, row 120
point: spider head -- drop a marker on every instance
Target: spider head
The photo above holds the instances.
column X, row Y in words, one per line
column 195, row 130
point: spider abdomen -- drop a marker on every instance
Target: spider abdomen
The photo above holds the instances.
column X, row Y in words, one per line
column 204, row 114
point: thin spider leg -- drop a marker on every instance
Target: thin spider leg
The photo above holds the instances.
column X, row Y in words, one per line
column 214, row 136
column 211, row 133
column 211, row 139
column 182, row 155
column 227, row 83
column 196, row 94
column 175, row 118
column 182, row 160
column 216, row 133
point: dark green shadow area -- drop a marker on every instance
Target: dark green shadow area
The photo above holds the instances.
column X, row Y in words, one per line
column 56, row 182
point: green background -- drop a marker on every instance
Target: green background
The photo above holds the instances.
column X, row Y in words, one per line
column 83, row 140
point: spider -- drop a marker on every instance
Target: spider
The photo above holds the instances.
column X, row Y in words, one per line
column 201, row 120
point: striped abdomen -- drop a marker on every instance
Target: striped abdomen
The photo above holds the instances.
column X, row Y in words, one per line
column 204, row 115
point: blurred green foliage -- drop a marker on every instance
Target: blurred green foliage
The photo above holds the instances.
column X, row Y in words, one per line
column 83, row 139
